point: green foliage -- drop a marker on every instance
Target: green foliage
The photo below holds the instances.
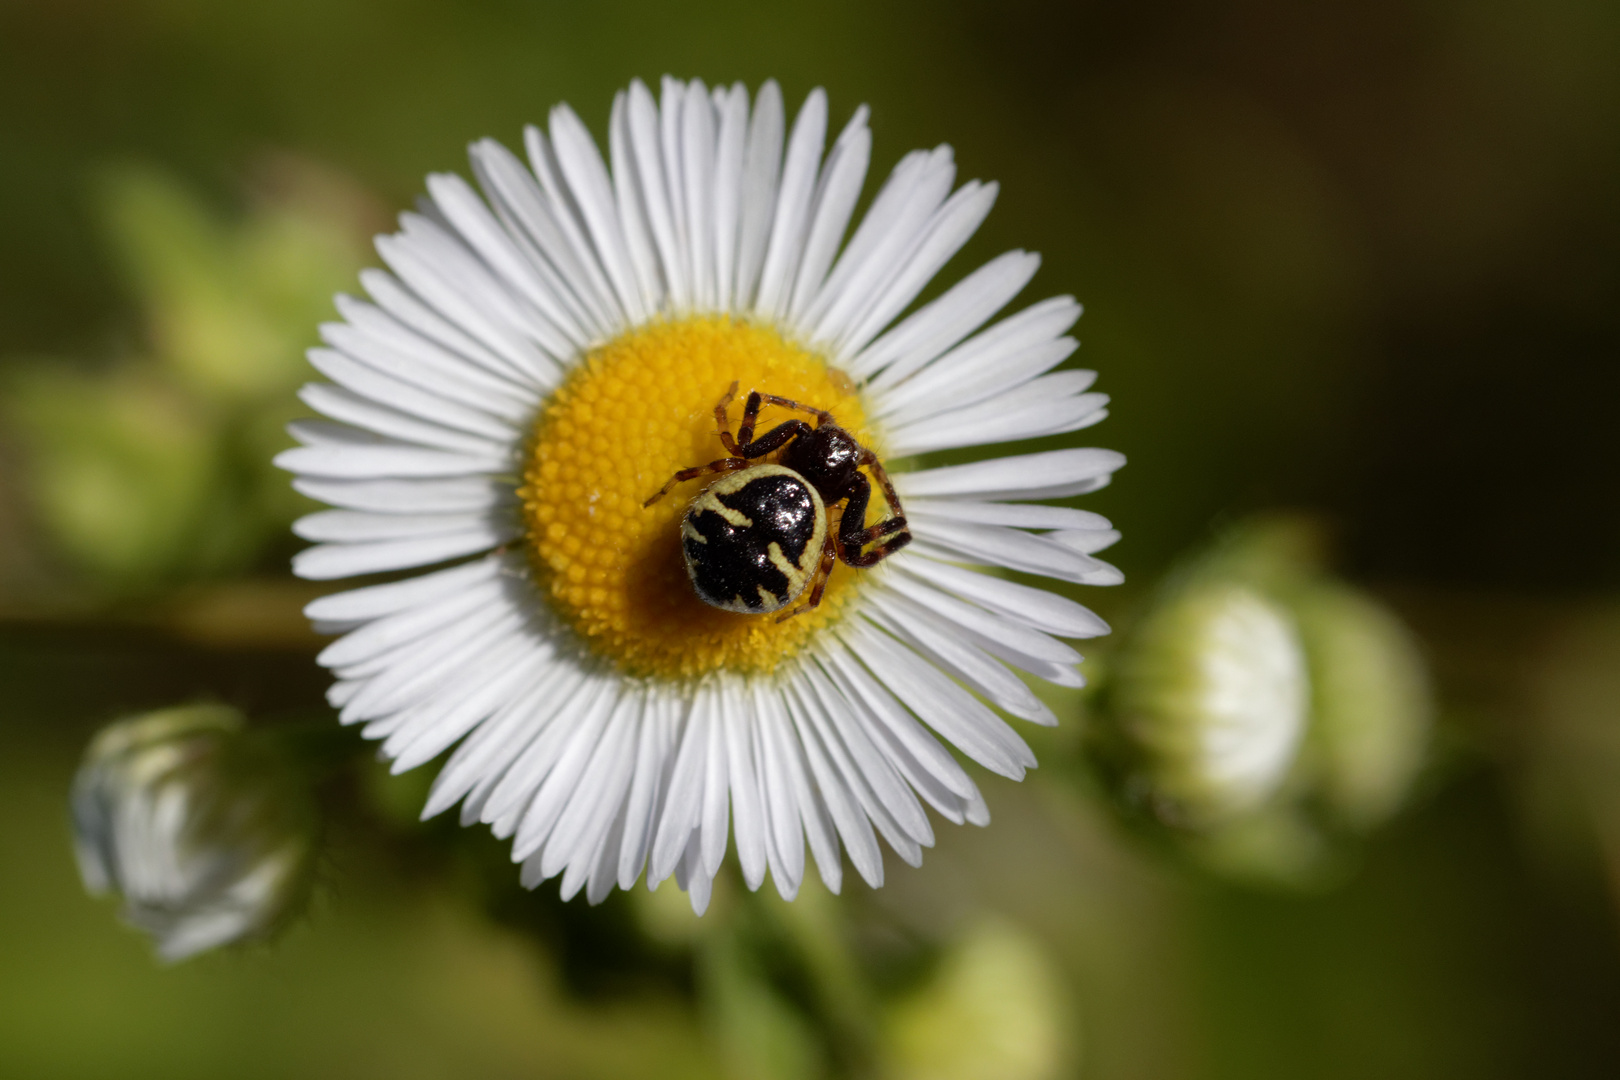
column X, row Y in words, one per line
column 155, row 469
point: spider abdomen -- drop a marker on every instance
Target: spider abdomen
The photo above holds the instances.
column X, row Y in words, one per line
column 753, row 538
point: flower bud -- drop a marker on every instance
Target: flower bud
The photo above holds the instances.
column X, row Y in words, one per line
column 1267, row 713
column 996, row 1007
column 1211, row 698
column 201, row 827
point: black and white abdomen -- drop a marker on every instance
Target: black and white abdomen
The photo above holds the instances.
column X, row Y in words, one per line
column 753, row 539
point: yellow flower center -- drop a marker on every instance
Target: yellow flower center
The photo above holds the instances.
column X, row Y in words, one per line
column 631, row 415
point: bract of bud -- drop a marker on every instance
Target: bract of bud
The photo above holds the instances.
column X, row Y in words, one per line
column 203, row 830
column 1370, row 702
column 1212, row 695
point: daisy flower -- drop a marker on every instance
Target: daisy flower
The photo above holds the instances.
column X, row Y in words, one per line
column 547, row 351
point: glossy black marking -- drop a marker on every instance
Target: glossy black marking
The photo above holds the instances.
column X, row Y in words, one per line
column 729, row 555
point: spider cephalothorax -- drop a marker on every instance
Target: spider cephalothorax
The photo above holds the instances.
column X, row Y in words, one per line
column 758, row 536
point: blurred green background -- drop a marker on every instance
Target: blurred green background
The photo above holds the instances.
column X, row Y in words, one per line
column 1356, row 259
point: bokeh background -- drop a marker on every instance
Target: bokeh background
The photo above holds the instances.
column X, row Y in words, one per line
column 1360, row 260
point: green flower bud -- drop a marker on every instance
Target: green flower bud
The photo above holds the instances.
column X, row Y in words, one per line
column 202, row 829
column 996, row 1009
column 1211, row 699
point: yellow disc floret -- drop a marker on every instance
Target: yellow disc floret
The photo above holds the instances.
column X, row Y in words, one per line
column 634, row 412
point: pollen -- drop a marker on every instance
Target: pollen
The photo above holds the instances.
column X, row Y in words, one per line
column 632, row 414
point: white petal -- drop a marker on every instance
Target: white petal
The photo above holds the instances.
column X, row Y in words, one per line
column 916, row 188
column 655, row 761
column 418, row 392
column 847, row 815
column 345, row 406
column 357, row 526
column 325, row 562
column 697, row 184
column 993, row 545
column 1021, row 515
column 592, row 189
column 449, row 633
column 762, row 166
column 941, row 388
column 427, row 673
column 780, row 789
column 1045, row 611
column 748, row 817
column 942, row 322
column 380, row 345
column 562, row 781
column 891, row 805
column 500, row 740
column 628, row 191
column 479, row 228
column 1054, row 474
column 565, row 212
column 1036, row 325
column 343, row 452
column 378, row 600
column 457, row 494
column 1038, row 408
column 941, row 238
column 428, row 611
column 957, row 655
column 920, row 777
column 398, row 301
column 439, row 723
column 714, row 823
column 505, row 805
column 605, row 862
column 699, row 883
column 651, row 173
column 451, row 280
column 531, row 219
column 1086, row 541
column 728, row 191
column 603, row 784
column 683, row 806
column 793, row 206
column 834, row 202
column 941, row 704
column 904, row 730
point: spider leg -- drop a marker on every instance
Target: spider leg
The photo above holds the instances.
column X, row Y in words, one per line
column 829, row 556
column 821, row 415
column 881, row 474
column 745, row 433
column 852, row 537
column 773, row 439
column 725, row 424
column 721, row 465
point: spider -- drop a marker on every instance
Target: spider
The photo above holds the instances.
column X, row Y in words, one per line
column 756, row 537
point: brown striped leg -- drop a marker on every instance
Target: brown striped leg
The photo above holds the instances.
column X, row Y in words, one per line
column 821, row 415
column 722, row 465
column 881, row 475
column 721, row 419
column 829, row 556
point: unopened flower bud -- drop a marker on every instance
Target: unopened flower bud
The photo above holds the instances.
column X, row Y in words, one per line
column 996, row 1007
column 201, row 828
column 1211, row 699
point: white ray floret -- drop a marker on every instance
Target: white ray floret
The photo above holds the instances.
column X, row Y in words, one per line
column 706, row 202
